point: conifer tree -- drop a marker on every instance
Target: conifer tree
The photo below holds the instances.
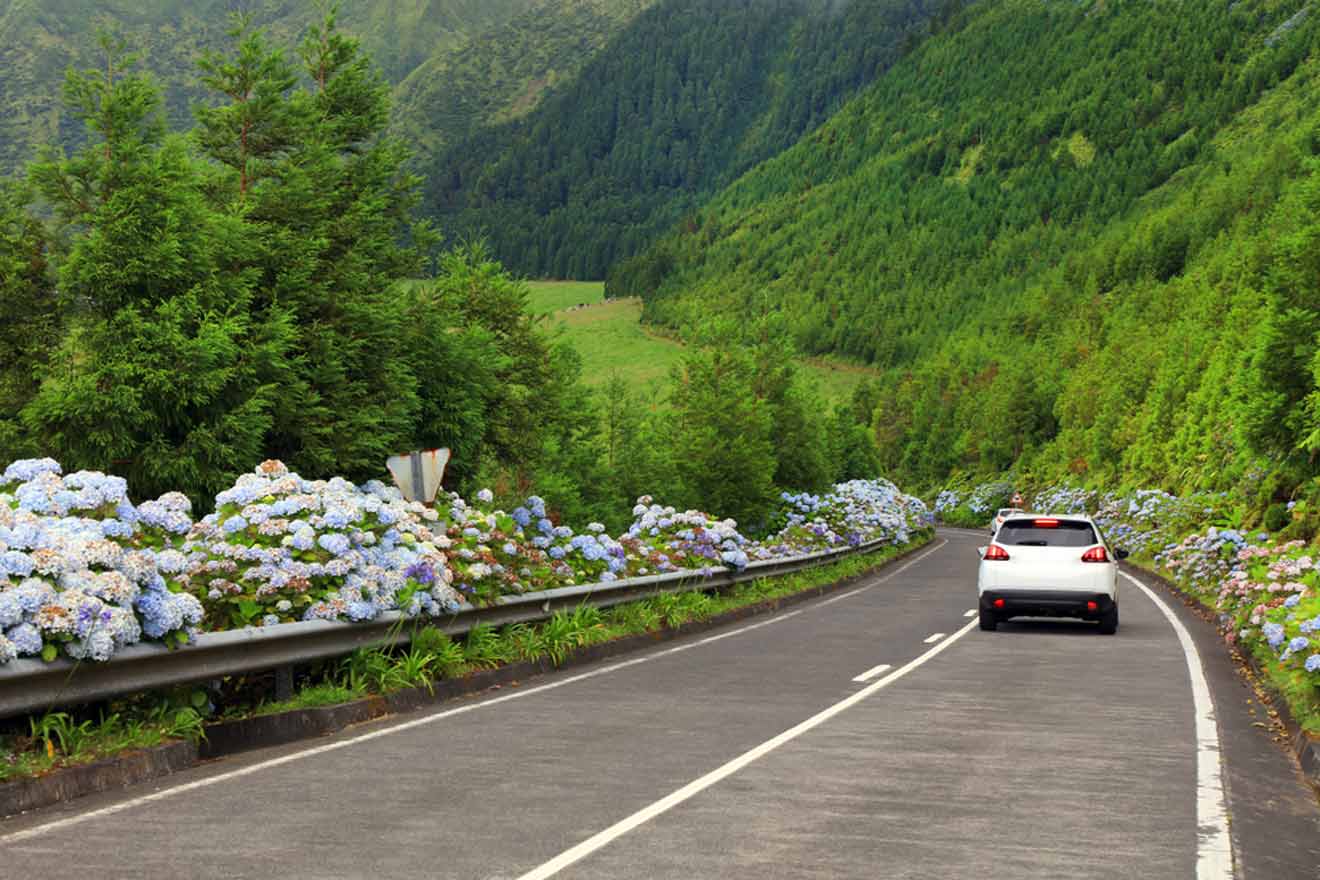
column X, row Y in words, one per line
column 721, row 435
column 326, row 192
column 163, row 375
column 29, row 315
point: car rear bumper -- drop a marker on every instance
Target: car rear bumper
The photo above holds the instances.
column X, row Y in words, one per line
column 1047, row 603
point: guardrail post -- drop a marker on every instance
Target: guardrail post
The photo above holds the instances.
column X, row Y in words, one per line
column 283, row 683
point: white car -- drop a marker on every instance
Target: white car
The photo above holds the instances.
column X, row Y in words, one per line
column 1002, row 514
column 1049, row 566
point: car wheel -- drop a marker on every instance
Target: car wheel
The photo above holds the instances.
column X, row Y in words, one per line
column 1109, row 622
column 988, row 620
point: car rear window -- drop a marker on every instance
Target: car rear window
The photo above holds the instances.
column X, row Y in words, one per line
column 1046, row 533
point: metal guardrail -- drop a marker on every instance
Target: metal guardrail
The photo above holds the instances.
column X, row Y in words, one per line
column 27, row 685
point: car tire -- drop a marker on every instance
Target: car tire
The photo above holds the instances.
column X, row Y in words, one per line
column 1109, row 622
column 988, row 620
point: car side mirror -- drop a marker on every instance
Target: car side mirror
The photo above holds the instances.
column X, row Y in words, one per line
column 1121, row 554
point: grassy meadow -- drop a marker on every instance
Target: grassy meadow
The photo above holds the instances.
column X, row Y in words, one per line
column 612, row 340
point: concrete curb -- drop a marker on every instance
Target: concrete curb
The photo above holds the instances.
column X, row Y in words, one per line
column 1305, row 747
column 74, row 782
column 281, row 728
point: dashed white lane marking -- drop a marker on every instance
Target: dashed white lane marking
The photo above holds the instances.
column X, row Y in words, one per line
column 932, row 638
column 70, row 821
column 1214, row 848
column 646, row 814
column 873, row 672
column 971, row 612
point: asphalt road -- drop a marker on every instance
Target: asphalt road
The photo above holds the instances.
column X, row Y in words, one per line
column 1042, row 750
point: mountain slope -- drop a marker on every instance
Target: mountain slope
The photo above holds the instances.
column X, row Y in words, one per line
column 40, row 39
column 689, row 96
column 1081, row 237
column 503, row 72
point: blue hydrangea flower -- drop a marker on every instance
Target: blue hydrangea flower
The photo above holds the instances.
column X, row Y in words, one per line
column 335, row 543
column 1313, row 663
column 16, row 563
column 1291, row 601
column 26, row 638
column 11, row 609
column 1273, row 633
column 28, row 469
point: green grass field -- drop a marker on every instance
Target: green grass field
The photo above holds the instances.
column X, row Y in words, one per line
column 612, row 341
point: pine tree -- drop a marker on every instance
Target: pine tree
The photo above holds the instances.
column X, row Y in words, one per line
column 29, row 315
column 327, row 195
column 722, row 437
column 163, row 375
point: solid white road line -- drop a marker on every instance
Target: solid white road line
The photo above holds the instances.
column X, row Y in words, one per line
column 70, row 821
column 873, row 672
column 646, row 814
column 1214, row 850
column 971, row 612
column 932, row 639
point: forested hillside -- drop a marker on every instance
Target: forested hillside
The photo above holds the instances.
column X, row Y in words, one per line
column 455, row 64
column 692, row 94
column 503, row 72
column 1082, row 238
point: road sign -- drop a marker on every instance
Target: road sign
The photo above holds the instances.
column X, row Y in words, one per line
column 418, row 474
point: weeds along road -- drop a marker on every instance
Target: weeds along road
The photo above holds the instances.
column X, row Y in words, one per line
column 873, row 733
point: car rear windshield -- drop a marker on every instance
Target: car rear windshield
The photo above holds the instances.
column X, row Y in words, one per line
column 1046, row 533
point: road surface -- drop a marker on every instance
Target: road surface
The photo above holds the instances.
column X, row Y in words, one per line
column 872, row 733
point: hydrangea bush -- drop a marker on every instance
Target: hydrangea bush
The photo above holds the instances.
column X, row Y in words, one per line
column 280, row 548
column 84, row 572
column 852, row 514
column 972, row 507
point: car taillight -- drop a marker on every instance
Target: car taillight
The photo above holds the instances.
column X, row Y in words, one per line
column 1092, row 606
column 995, row 553
column 999, row 603
column 1095, row 554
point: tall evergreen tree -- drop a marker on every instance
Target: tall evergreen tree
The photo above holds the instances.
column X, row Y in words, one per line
column 723, row 451
column 311, row 171
column 164, row 375
column 29, row 315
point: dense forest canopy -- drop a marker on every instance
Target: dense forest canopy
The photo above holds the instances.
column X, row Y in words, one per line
column 692, row 94
column 453, row 65
column 1080, row 237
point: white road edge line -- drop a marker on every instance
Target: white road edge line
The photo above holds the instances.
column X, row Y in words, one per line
column 873, row 672
column 1214, row 847
column 932, row 638
column 646, row 814
column 70, row 821
column 971, row 612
